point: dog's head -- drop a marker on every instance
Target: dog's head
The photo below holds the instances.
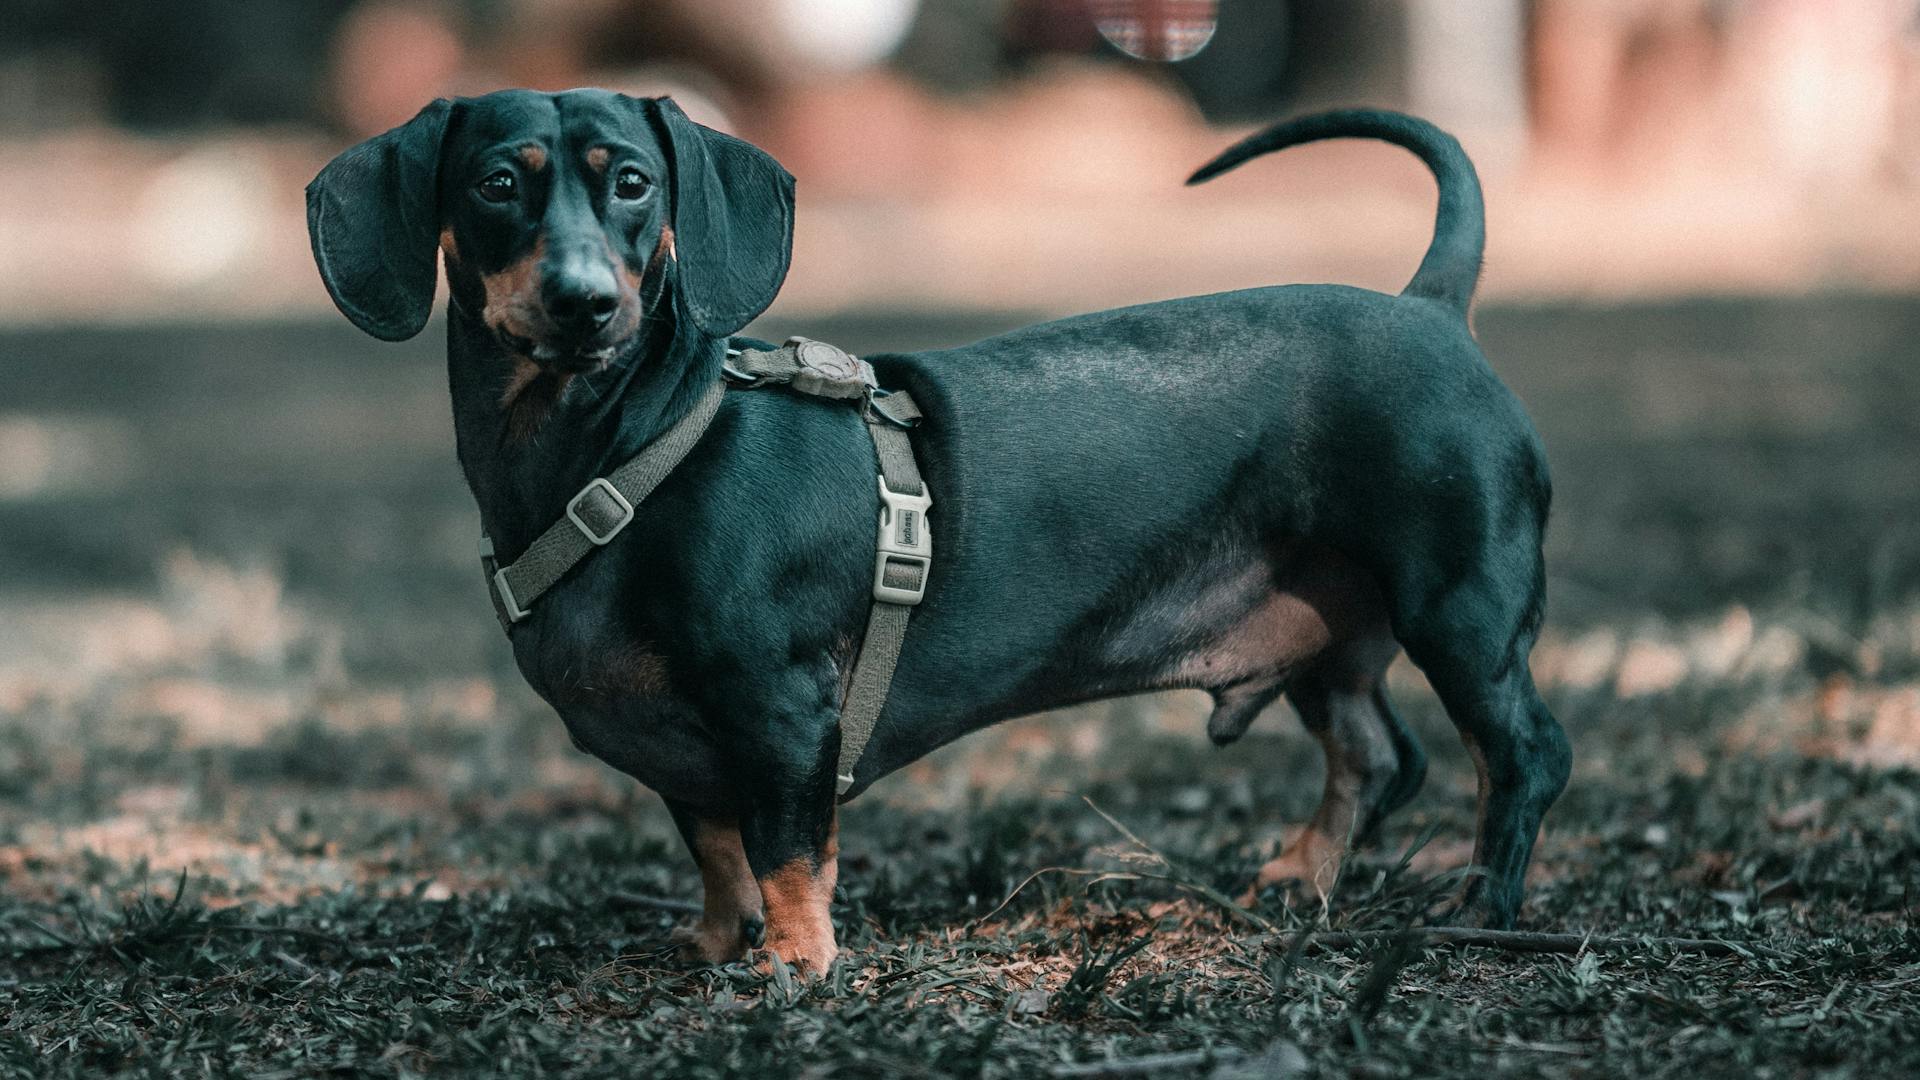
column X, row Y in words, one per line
column 551, row 208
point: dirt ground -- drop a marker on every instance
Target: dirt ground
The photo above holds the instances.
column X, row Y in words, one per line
column 273, row 801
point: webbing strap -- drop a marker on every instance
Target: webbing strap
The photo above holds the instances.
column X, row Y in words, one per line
column 904, row 548
column 596, row 515
column 900, row 578
column 903, row 551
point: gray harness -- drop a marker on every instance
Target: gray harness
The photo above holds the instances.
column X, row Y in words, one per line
column 904, row 550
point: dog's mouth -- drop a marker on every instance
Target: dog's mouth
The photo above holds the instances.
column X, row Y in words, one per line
column 565, row 358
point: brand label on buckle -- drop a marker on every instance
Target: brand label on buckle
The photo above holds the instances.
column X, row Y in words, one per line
column 905, row 546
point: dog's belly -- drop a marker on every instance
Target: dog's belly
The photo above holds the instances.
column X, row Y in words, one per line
column 1237, row 623
column 1240, row 618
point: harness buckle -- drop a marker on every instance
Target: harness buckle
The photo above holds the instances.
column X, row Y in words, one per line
column 604, row 487
column 875, row 396
column 746, row 380
column 905, row 547
column 827, row 371
column 510, row 608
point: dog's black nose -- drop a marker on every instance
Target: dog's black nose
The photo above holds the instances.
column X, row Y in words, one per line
column 581, row 303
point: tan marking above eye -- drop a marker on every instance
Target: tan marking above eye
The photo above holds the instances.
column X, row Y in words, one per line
column 598, row 158
column 534, row 155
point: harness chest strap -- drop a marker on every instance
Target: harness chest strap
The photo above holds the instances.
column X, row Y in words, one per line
column 904, row 548
column 594, row 516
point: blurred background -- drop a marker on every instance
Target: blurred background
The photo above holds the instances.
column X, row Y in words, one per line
column 966, row 154
column 236, row 554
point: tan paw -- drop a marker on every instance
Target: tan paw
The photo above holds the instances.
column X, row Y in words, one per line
column 811, row 955
column 1307, row 870
column 716, row 942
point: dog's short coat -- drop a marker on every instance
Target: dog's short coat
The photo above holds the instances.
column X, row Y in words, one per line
column 1253, row 493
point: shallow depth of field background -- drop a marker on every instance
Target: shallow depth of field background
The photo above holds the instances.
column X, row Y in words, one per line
column 273, row 799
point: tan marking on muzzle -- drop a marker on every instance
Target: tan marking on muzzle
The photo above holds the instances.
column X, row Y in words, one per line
column 447, row 246
column 513, row 295
column 627, row 319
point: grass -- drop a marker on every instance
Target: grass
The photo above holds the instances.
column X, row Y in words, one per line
column 274, row 803
column 405, row 901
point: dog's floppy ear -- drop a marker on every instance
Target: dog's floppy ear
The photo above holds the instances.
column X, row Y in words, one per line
column 732, row 222
column 372, row 217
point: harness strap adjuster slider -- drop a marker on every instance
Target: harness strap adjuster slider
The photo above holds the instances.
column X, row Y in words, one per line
column 509, row 607
column 905, row 547
column 608, row 504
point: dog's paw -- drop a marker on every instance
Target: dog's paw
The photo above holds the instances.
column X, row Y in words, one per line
column 1476, row 907
column 717, row 943
column 811, row 956
column 1475, row 916
column 1305, row 873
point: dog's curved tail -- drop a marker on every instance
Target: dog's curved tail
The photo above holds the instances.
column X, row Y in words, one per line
column 1451, row 268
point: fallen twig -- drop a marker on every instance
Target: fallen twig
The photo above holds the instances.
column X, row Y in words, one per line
column 1527, row 941
column 1150, row 1065
column 641, row 901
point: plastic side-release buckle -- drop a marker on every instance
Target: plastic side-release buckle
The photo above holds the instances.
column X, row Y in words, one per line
column 905, row 547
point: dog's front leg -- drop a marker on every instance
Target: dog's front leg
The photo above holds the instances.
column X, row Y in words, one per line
column 791, row 838
column 731, row 919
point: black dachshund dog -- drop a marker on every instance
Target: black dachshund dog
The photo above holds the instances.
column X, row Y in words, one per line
column 1253, row 493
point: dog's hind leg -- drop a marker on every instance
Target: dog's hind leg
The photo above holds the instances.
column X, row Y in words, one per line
column 731, row 917
column 1411, row 772
column 1373, row 764
column 1472, row 638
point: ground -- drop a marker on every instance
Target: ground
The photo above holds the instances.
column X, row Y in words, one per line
column 273, row 801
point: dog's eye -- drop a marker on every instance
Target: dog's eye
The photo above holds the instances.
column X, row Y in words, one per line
column 630, row 183
column 499, row 187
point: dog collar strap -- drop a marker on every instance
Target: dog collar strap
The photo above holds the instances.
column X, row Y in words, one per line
column 904, row 549
column 594, row 516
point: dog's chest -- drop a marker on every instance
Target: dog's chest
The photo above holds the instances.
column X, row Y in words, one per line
column 620, row 704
